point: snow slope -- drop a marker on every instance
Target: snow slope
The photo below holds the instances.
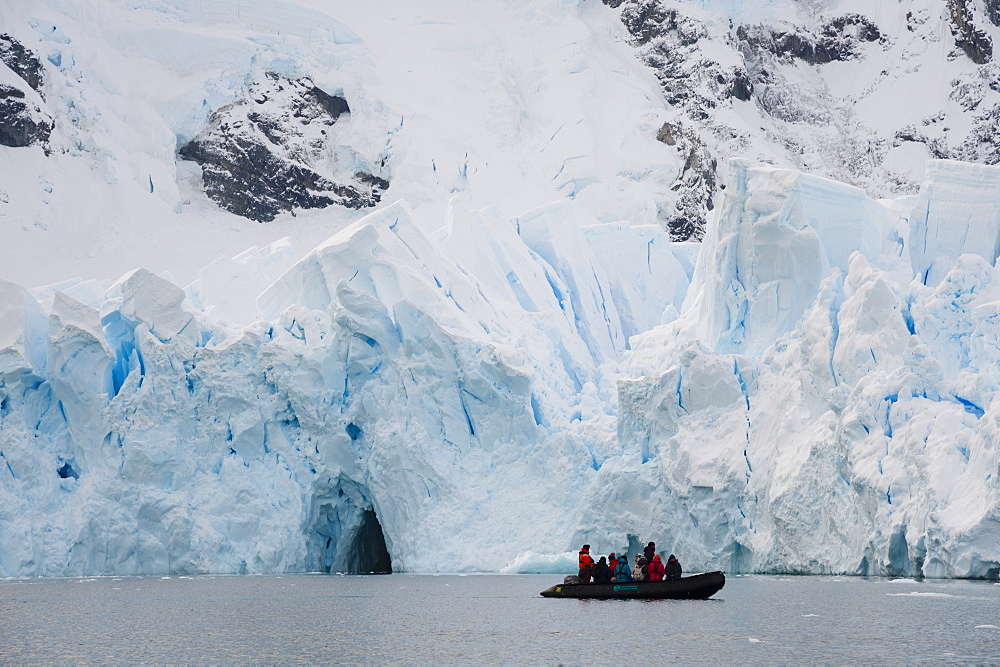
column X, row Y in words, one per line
column 512, row 105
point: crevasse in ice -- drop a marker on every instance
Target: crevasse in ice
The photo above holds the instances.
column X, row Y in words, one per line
column 819, row 399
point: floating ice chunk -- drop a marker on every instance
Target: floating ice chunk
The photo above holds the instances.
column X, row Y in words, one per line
column 530, row 562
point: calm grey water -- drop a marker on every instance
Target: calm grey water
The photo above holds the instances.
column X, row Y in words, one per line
column 329, row 618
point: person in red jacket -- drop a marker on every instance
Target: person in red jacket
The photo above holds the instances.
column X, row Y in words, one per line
column 656, row 569
column 612, row 562
column 586, row 565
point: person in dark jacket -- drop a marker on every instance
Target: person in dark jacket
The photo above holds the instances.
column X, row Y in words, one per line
column 656, row 569
column 673, row 568
column 649, row 552
column 586, row 565
column 602, row 573
column 622, row 572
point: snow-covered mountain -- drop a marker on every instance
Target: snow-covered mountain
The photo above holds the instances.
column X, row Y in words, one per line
column 863, row 91
column 508, row 104
column 406, row 290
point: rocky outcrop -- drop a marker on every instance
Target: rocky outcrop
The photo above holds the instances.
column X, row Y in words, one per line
column 973, row 41
column 669, row 42
column 22, row 62
column 696, row 185
column 273, row 151
column 982, row 144
column 837, row 39
column 682, row 52
column 993, row 11
column 23, row 118
column 802, row 116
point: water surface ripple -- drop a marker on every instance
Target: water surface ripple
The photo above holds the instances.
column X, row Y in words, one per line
column 494, row 619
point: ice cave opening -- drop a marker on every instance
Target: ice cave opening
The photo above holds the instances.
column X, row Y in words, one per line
column 346, row 535
column 368, row 553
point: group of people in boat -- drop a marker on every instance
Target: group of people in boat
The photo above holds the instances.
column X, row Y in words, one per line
column 614, row 569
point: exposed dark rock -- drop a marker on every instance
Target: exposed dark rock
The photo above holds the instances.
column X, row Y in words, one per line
column 695, row 85
column 975, row 43
column 21, row 122
column 935, row 147
column 740, row 86
column 22, row 61
column 993, row 11
column 696, row 185
column 968, row 94
column 265, row 154
column 648, row 19
column 982, row 144
column 802, row 121
column 837, row 39
column 668, row 42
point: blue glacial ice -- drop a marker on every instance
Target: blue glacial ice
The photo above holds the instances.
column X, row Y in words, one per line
column 816, row 396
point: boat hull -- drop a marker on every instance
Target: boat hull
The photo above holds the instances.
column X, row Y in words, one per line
column 698, row 587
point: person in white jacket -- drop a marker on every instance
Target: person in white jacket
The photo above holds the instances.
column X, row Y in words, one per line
column 639, row 572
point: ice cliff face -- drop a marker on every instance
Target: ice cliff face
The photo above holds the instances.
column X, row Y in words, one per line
column 824, row 401
column 388, row 403
column 863, row 91
column 817, row 408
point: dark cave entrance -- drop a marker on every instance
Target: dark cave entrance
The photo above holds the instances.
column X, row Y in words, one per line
column 367, row 553
column 347, row 538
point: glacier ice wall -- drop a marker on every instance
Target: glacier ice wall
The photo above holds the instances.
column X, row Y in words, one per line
column 457, row 390
column 817, row 397
column 825, row 402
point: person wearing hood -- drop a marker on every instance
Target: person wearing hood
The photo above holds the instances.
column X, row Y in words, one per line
column 673, row 568
column 586, row 565
column 622, row 572
column 639, row 571
column 602, row 573
column 656, row 569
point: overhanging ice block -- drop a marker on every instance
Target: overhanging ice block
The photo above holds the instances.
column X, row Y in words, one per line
column 956, row 213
